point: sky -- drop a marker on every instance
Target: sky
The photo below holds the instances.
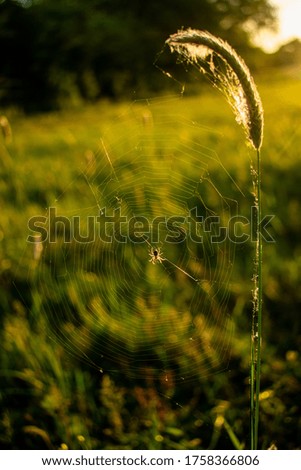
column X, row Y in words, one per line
column 289, row 13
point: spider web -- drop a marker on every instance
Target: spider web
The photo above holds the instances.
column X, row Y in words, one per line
column 137, row 278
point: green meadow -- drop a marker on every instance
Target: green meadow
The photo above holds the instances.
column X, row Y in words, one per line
column 103, row 349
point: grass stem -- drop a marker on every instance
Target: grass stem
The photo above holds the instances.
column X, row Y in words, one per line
column 257, row 318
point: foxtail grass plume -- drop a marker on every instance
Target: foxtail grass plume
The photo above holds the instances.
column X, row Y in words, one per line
column 228, row 72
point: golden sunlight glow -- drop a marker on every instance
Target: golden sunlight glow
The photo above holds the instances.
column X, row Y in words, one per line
column 289, row 14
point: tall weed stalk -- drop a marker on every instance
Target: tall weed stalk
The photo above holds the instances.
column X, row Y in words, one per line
column 228, row 72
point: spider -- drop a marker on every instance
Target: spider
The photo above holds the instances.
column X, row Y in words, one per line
column 156, row 255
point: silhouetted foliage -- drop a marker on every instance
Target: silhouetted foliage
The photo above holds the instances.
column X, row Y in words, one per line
column 54, row 50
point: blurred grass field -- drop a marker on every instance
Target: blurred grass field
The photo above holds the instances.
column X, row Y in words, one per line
column 53, row 396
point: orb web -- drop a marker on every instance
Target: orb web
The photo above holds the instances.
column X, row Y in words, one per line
column 136, row 278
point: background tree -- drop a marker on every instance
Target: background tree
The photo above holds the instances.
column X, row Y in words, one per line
column 52, row 50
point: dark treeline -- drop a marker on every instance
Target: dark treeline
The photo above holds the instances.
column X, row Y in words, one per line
column 53, row 50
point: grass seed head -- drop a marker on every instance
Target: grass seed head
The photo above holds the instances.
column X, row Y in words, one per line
column 228, row 72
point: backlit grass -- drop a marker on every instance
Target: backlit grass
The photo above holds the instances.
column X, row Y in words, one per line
column 53, row 399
